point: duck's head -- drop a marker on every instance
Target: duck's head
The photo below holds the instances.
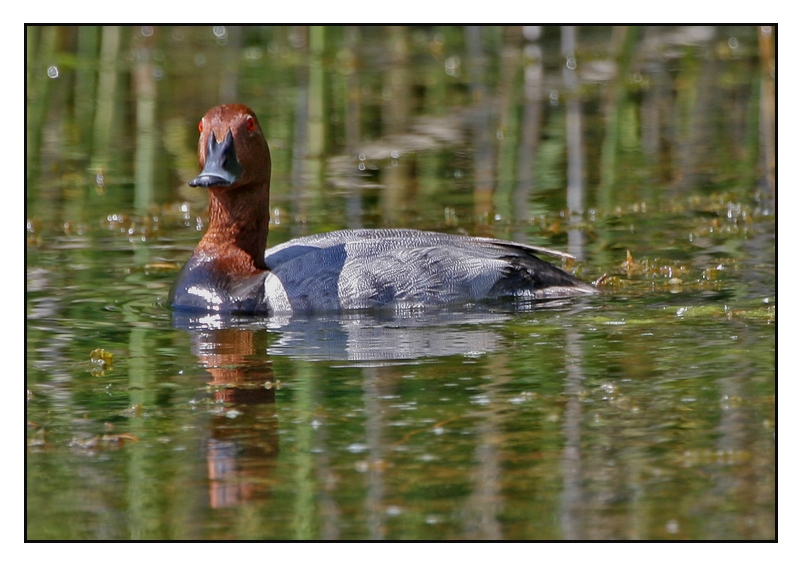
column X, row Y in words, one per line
column 235, row 167
column 232, row 150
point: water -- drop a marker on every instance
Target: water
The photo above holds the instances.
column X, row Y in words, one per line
column 645, row 413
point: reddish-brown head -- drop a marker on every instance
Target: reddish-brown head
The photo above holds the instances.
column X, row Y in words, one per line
column 235, row 167
column 232, row 150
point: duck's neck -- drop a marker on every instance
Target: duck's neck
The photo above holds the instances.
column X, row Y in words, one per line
column 238, row 228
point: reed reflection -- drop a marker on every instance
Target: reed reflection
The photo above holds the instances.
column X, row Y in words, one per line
column 575, row 175
column 481, row 124
column 530, row 125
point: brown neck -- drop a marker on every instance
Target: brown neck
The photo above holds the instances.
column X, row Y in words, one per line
column 238, row 228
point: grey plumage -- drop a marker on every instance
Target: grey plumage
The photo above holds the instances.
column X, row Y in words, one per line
column 354, row 269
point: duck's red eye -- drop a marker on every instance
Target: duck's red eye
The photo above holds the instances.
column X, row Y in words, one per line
column 201, row 125
column 250, row 123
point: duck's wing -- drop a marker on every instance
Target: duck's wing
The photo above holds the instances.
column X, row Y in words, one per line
column 370, row 268
column 287, row 250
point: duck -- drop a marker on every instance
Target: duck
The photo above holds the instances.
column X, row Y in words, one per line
column 232, row 272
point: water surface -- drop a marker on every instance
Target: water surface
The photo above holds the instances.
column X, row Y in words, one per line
column 647, row 412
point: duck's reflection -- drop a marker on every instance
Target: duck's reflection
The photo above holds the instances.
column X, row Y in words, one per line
column 383, row 339
column 244, row 436
column 244, row 439
column 375, row 336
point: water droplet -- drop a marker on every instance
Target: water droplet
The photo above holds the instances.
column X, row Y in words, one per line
column 672, row 526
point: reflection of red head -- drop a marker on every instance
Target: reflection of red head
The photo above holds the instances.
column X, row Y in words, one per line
column 244, row 433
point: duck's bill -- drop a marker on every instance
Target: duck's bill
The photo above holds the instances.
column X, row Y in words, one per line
column 211, row 180
column 221, row 168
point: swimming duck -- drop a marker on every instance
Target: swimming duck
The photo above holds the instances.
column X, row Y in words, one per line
column 231, row 272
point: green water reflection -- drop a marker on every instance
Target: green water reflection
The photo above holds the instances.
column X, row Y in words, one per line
column 645, row 413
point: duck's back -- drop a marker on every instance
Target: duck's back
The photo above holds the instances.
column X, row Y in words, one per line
column 353, row 269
